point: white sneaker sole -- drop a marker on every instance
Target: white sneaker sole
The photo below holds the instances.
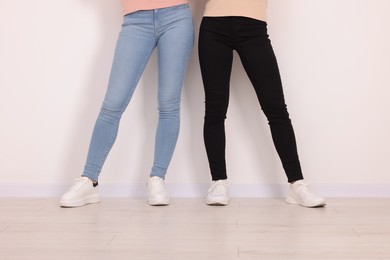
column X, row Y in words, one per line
column 158, row 202
column 217, row 202
column 81, row 202
column 291, row 200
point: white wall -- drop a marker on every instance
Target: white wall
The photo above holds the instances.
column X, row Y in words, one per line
column 334, row 56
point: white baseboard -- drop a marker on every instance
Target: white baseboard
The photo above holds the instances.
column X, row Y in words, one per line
column 200, row 190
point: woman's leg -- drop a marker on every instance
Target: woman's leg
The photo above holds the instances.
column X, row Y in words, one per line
column 135, row 44
column 175, row 42
column 260, row 63
column 216, row 57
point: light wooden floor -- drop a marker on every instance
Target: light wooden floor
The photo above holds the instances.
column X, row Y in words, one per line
column 188, row 229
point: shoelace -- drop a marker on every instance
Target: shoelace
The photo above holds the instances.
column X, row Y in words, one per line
column 305, row 190
column 219, row 186
column 157, row 185
column 78, row 185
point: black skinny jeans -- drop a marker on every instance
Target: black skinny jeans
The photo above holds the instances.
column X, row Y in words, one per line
column 219, row 36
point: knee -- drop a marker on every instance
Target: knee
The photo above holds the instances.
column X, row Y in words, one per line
column 215, row 112
column 277, row 116
column 171, row 108
column 110, row 115
column 214, row 117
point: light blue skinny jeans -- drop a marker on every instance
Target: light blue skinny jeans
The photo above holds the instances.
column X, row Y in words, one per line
column 171, row 31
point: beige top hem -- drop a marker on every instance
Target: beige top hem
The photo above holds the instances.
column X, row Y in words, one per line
column 256, row 9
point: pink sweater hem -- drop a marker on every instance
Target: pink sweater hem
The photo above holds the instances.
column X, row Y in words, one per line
column 130, row 6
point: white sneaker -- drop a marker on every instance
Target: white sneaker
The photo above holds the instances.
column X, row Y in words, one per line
column 218, row 193
column 157, row 194
column 300, row 193
column 81, row 193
